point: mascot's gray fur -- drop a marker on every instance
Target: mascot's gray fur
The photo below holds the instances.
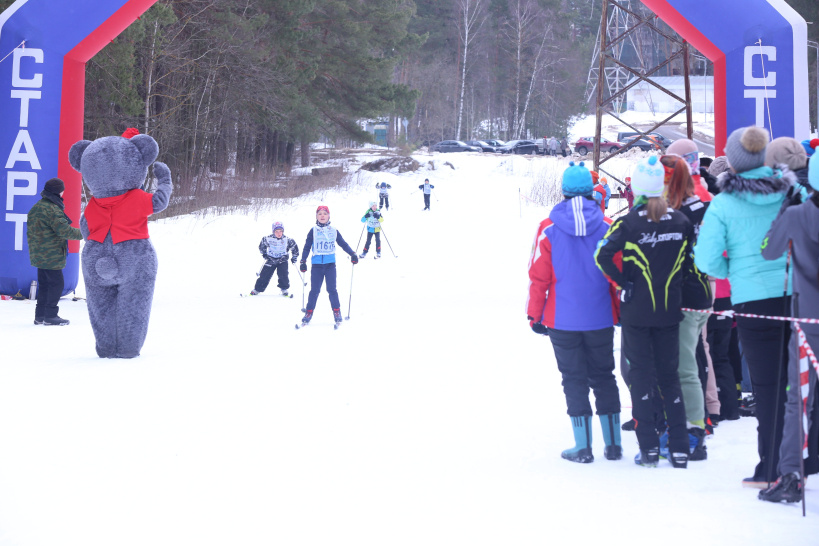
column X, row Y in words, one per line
column 119, row 278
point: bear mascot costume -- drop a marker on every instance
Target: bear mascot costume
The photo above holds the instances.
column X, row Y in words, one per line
column 118, row 260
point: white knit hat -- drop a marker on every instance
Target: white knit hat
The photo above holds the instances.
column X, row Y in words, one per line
column 648, row 177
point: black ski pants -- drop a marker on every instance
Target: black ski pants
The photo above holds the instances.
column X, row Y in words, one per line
column 267, row 273
column 426, row 200
column 50, row 285
column 370, row 238
column 319, row 273
column 653, row 354
column 719, row 342
column 586, row 361
column 765, row 346
column 384, row 199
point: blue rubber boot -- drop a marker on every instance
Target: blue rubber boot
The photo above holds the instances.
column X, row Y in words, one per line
column 611, row 435
column 581, row 452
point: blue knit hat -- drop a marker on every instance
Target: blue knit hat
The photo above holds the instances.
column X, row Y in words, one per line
column 577, row 180
column 810, row 145
column 278, row 225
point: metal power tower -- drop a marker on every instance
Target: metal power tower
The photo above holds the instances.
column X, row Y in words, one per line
column 615, row 77
column 619, row 21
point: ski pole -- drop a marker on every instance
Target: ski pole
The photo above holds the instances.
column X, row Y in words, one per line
column 785, row 312
column 350, row 302
column 259, row 273
column 434, row 194
column 359, row 238
column 388, row 243
column 303, row 284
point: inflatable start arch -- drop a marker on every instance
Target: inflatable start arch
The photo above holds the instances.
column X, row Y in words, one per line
column 760, row 54
column 44, row 46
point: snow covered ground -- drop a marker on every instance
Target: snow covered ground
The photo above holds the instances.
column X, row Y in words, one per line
column 433, row 416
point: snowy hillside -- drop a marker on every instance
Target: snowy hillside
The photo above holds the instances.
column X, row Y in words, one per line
column 434, row 416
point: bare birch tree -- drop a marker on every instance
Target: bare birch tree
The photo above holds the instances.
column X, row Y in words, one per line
column 472, row 15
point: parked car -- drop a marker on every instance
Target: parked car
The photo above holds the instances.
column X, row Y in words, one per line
column 585, row 145
column 483, row 145
column 659, row 139
column 645, row 144
column 495, row 142
column 453, row 146
column 519, row 147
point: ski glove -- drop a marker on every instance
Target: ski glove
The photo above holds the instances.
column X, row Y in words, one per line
column 627, row 292
column 293, row 260
column 376, row 215
column 303, row 267
column 354, row 259
column 538, row 327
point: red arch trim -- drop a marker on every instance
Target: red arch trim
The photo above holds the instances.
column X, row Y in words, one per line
column 72, row 106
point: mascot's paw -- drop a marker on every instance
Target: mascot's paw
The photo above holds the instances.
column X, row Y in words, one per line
column 161, row 171
column 106, row 268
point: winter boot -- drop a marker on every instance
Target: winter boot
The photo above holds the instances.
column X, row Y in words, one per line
column 307, row 316
column 648, row 457
column 747, row 408
column 337, row 315
column 284, row 292
column 787, row 488
column 629, row 425
column 581, row 452
column 696, row 443
column 55, row 321
column 611, row 435
column 254, row 293
column 679, row 460
column 363, row 254
column 378, row 254
column 39, row 321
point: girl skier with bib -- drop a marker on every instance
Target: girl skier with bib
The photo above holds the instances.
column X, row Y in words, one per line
column 373, row 219
column 322, row 239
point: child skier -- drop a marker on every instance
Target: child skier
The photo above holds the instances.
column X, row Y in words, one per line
column 571, row 301
column 373, row 219
column 656, row 244
column 274, row 249
column 427, row 187
column 384, row 195
column 323, row 263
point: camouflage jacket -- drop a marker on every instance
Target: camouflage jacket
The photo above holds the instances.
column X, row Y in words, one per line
column 48, row 230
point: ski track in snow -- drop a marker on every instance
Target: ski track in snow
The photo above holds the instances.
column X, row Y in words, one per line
column 433, row 416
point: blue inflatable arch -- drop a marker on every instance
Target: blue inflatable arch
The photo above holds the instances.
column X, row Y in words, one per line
column 44, row 46
column 760, row 54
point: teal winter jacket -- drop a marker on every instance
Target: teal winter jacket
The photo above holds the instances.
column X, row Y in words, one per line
column 737, row 221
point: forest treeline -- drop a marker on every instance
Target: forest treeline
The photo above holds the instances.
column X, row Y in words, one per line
column 242, row 87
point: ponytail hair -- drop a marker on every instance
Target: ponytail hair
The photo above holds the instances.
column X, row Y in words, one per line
column 656, row 208
column 679, row 185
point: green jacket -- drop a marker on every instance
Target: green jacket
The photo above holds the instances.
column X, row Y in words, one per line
column 48, row 230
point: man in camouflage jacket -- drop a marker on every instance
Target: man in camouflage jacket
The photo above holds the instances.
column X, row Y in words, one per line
column 48, row 230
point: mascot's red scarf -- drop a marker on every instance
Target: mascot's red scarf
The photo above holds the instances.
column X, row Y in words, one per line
column 125, row 216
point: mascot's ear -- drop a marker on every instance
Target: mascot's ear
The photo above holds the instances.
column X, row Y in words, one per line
column 75, row 153
column 147, row 147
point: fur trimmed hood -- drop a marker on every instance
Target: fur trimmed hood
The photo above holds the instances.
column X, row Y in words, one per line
column 765, row 181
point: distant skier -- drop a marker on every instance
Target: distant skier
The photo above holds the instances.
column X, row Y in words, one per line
column 274, row 249
column 427, row 187
column 323, row 263
column 373, row 219
column 384, row 195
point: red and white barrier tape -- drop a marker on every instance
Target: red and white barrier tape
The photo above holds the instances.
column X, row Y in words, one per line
column 806, row 356
column 731, row 313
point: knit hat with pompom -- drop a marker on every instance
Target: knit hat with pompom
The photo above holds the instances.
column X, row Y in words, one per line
column 648, row 177
column 746, row 148
column 577, row 180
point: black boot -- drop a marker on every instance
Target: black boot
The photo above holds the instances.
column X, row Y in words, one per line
column 679, row 460
column 696, row 443
column 787, row 488
column 648, row 457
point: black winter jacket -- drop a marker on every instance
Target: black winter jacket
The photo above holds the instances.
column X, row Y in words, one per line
column 656, row 259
